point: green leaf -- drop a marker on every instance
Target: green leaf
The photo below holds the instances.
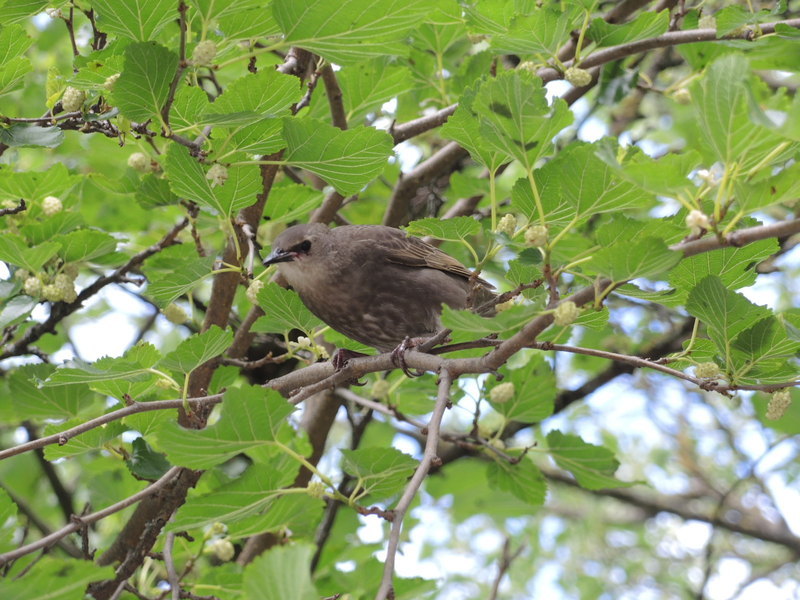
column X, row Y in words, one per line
column 139, row 20
column 85, row 244
column 523, row 479
column 56, row 579
column 134, row 365
column 734, row 266
column 188, row 180
column 464, row 127
column 347, row 160
column 516, row 118
column 12, row 77
column 646, row 25
column 37, row 403
column 197, row 349
column 142, row 89
column 14, row 41
column 725, row 313
column 290, row 201
column 267, row 93
column 762, row 353
column 92, row 441
column 542, row 32
column 474, row 325
column 248, row 24
column 262, row 137
column 251, row 417
column 22, row 135
column 17, row 308
column 649, row 257
column 381, row 472
column 15, row 251
column 283, row 311
column 155, row 192
column 455, row 229
column 280, row 573
column 251, row 494
column 726, row 111
column 367, row 85
column 188, row 272
column 593, row 466
column 350, row 31
column 146, row 463
column 534, row 392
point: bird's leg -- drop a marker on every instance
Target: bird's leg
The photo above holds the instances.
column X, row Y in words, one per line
column 399, row 357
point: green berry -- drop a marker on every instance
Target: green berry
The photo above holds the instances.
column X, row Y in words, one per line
column 578, row 77
column 175, row 314
column 316, row 489
column 33, row 287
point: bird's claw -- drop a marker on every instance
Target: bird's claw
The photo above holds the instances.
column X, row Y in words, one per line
column 399, row 357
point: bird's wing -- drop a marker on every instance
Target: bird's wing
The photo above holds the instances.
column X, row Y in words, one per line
column 413, row 252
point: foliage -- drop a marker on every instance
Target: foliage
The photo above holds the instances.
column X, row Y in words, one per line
column 628, row 224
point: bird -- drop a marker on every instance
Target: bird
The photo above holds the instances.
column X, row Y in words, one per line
column 373, row 283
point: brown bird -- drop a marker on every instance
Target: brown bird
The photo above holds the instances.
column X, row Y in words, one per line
column 373, row 283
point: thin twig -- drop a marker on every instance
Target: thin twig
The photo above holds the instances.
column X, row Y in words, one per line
column 429, row 459
column 48, row 540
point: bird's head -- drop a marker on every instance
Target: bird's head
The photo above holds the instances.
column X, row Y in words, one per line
column 298, row 245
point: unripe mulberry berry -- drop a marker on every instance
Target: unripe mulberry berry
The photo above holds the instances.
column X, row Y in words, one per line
column 697, row 221
column 779, row 403
column 175, row 314
column 566, row 313
column 578, row 77
column 316, row 489
column 707, row 370
column 72, row 99
column 51, row 206
column 223, row 549
column 204, row 53
column 140, row 162
column 217, row 175
column 110, row 81
column 536, row 235
column 507, row 225
column 501, row 393
column 380, row 389
column 33, row 287
column 253, row 289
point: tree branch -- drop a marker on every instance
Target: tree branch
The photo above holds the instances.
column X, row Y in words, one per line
column 429, row 459
column 79, row 522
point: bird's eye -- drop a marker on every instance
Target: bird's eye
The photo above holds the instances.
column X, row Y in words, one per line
column 304, row 247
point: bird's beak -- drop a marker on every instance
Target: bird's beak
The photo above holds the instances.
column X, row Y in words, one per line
column 279, row 255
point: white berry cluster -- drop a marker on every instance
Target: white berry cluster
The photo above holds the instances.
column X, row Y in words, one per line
column 57, row 288
column 566, row 313
column 217, row 175
column 707, row 370
column 204, row 53
column 578, row 77
column 175, row 314
column 72, row 99
column 779, row 403
column 253, row 289
column 536, row 235
column 139, row 161
column 502, row 393
column 507, row 225
column 697, row 221
column 51, row 205
column 222, row 548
